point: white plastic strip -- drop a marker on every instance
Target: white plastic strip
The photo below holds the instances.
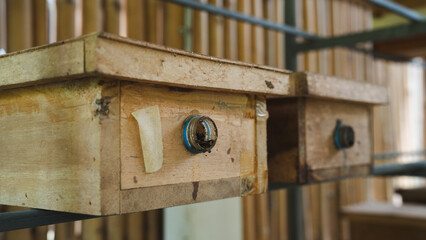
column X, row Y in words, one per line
column 149, row 122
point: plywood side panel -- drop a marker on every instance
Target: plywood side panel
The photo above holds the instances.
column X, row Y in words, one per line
column 48, row 160
column 233, row 115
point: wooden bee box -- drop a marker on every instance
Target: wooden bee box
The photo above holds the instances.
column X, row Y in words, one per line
column 69, row 142
column 374, row 220
column 303, row 146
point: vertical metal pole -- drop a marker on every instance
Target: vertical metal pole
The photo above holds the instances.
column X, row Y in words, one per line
column 294, row 194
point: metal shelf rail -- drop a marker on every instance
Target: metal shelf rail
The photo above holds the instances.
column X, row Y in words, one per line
column 32, row 218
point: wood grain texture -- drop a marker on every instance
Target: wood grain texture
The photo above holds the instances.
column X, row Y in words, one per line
column 69, row 110
column 137, row 61
column 234, row 118
column 174, row 67
column 141, row 199
column 315, row 85
column 39, row 65
column 320, row 122
column 61, row 160
column 307, row 152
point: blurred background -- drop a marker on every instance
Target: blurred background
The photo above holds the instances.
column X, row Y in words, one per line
column 398, row 127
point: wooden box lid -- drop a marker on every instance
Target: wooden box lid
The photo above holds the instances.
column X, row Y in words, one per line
column 111, row 56
column 108, row 55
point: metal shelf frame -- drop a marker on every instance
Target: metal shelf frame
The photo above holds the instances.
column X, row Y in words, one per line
column 33, row 218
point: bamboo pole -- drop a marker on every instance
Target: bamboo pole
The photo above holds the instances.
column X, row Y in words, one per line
column 231, row 39
column 155, row 21
column 115, row 228
column 66, row 19
column 244, row 33
column 136, row 19
column 19, row 25
column 173, row 25
column 3, row 25
column 19, row 36
column 135, row 226
column 92, row 16
column 92, row 229
column 40, row 24
column 201, row 31
column 153, row 224
column 216, row 32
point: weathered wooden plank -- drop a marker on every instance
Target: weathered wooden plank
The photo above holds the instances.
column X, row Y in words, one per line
column 155, row 64
column 320, row 122
column 42, row 64
column 308, row 84
column 141, row 199
column 179, row 68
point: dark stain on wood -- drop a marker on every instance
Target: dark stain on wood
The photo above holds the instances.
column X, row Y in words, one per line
column 247, row 185
column 229, row 151
column 103, row 108
column 269, row 84
column 135, row 180
column 195, row 192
